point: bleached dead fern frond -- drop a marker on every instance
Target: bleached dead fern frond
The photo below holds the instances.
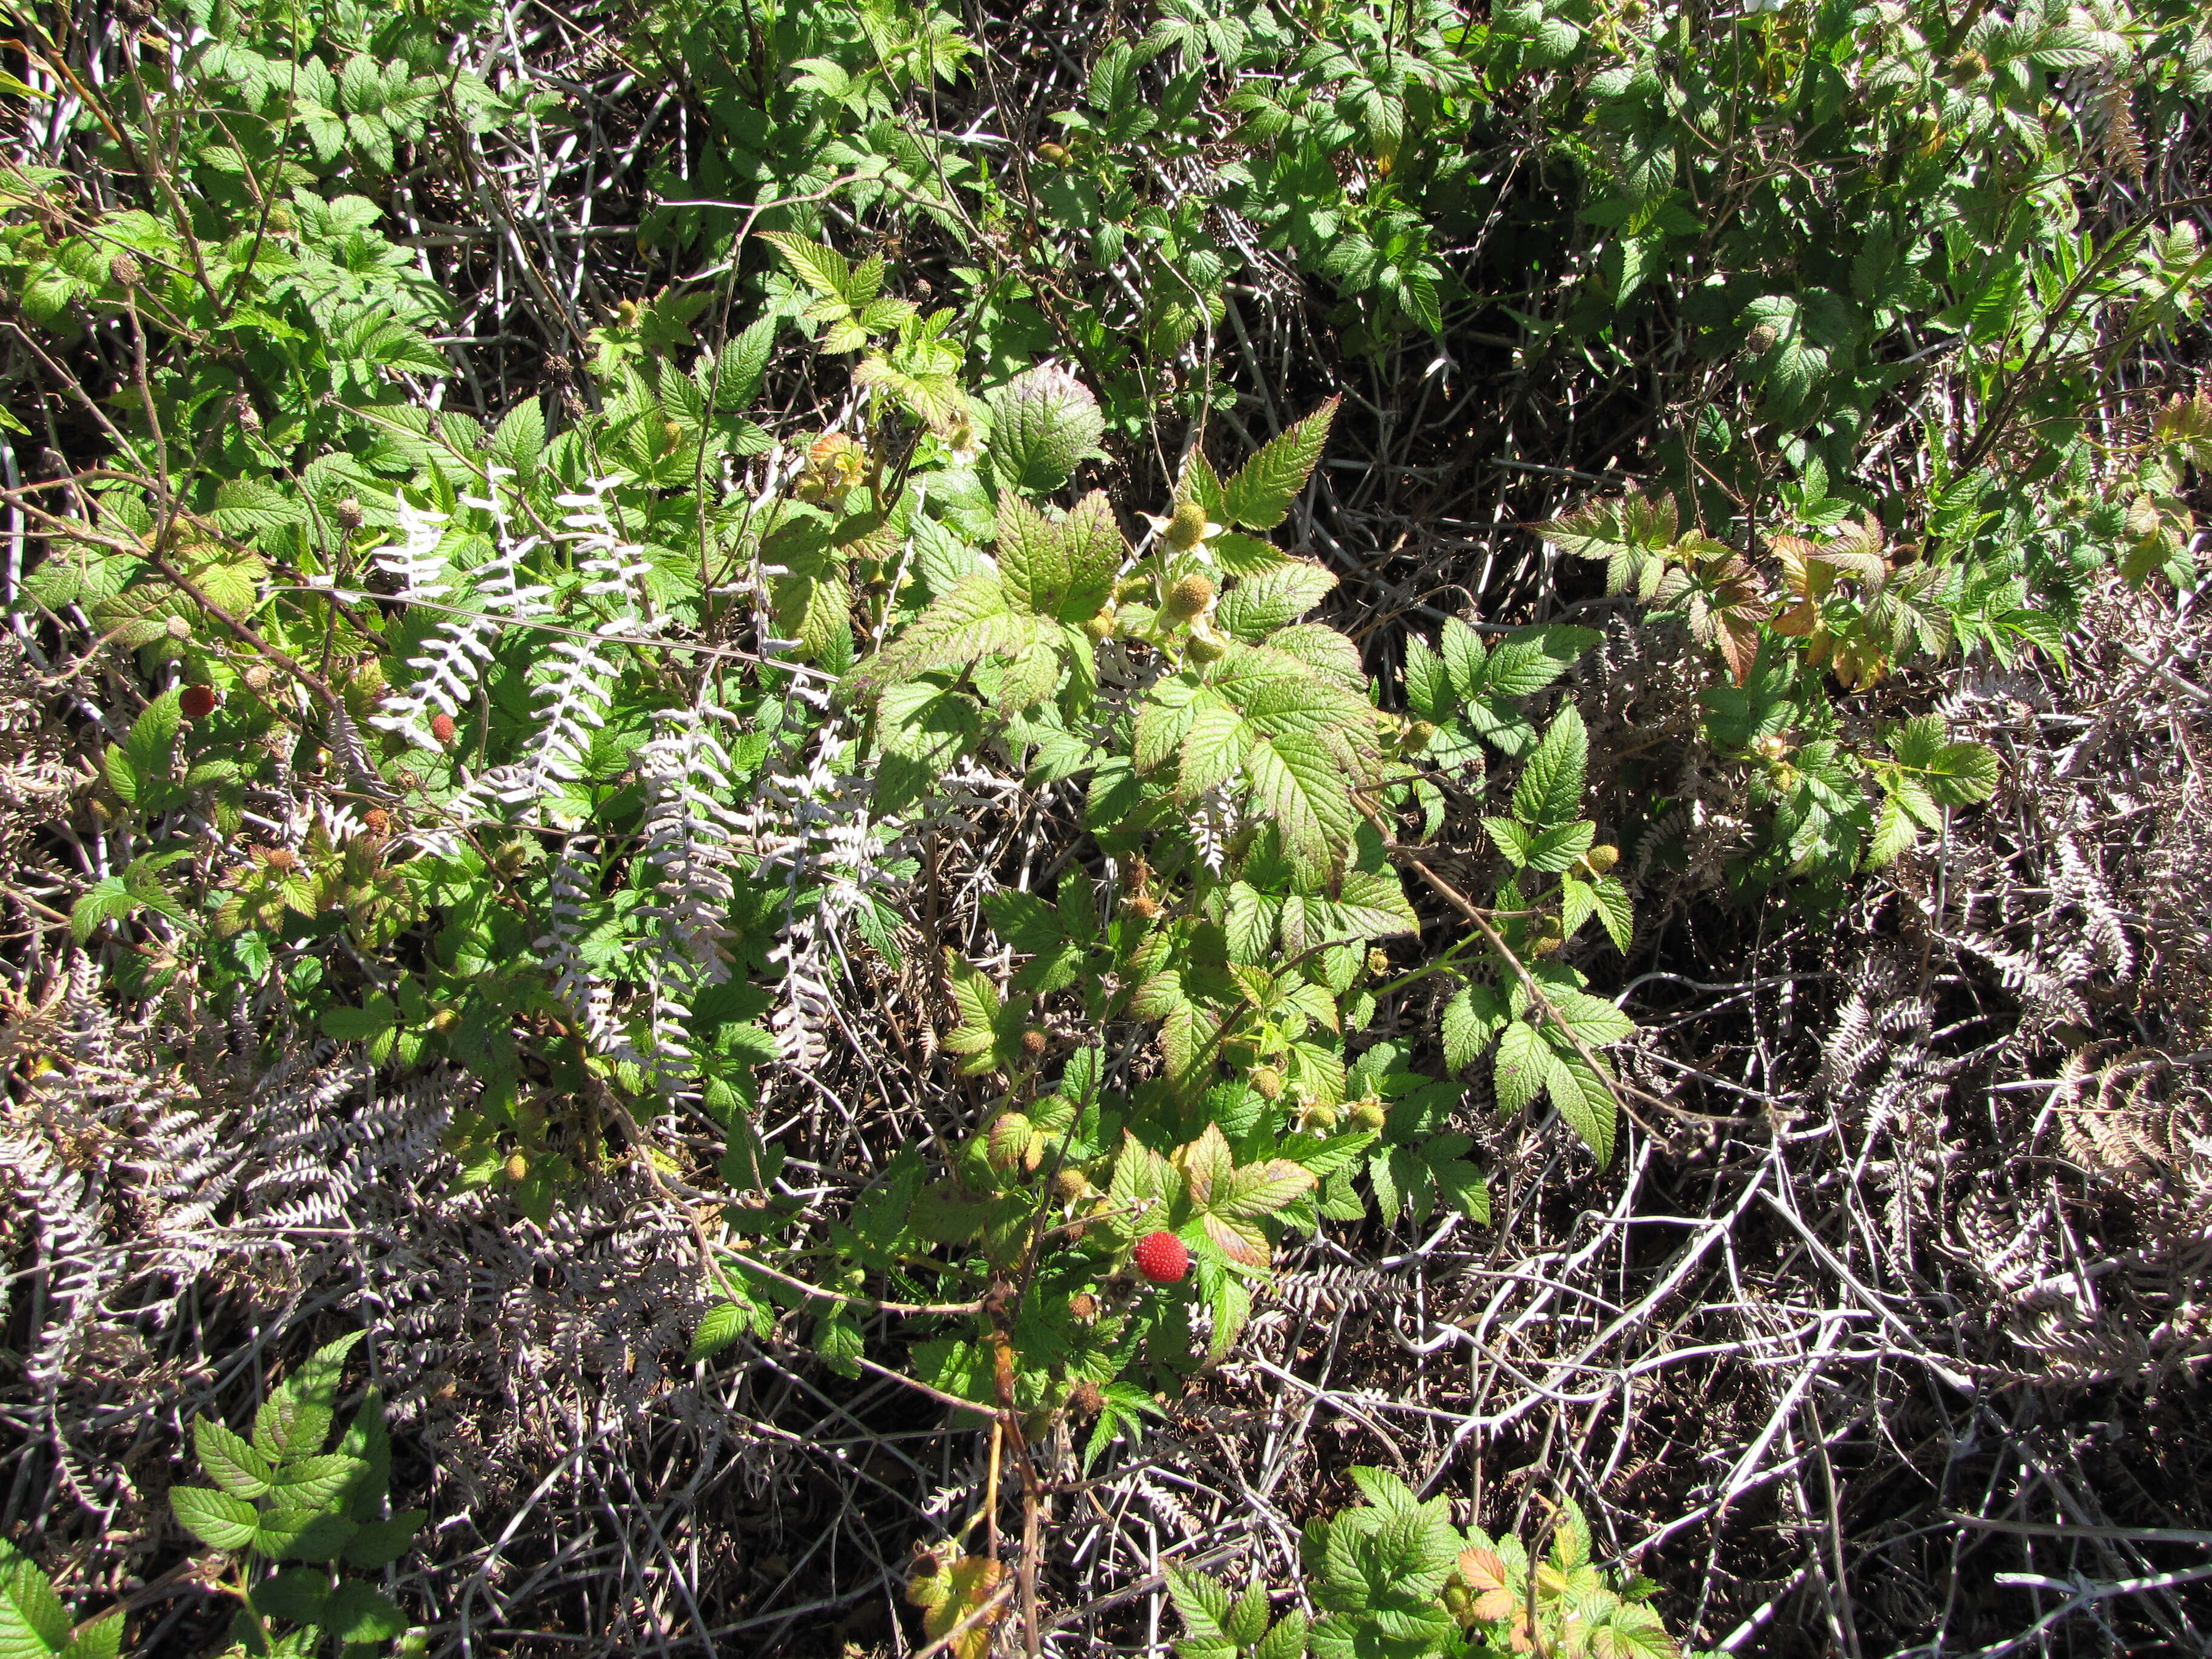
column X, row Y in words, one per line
column 813, row 824
column 573, row 685
column 70, row 1244
column 2078, row 881
column 2045, row 994
column 688, row 829
column 495, row 594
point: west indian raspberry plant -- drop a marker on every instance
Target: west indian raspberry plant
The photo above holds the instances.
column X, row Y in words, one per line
column 964, row 807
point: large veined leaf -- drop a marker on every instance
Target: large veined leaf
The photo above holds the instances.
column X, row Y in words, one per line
column 1094, row 552
column 1259, row 605
column 1523, row 1066
column 821, row 269
column 218, row 1518
column 1165, row 717
column 967, row 624
column 1631, row 533
column 814, row 610
column 1585, row 1100
column 1045, row 422
column 1032, row 558
column 1214, row 746
column 1300, row 786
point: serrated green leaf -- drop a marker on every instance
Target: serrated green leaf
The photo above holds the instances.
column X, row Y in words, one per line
column 104, row 901
column 1259, row 497
column 1287, row 1640
column 1962, row 774
column 1248, row 1620
column 218, row 1518
column 1530, row 659
column 1472, row 1022
column 1894, row 832
column 1550, row 789
column 1032, row 560
column 1463, row 1188
column 1095, row 551
column 1584, row 1099
column 34, row 1622
column 1594, row 1020
column 103, row 1639
column 227, row 1460
column 1523, row 1066
column 821, row 269
column 1257, row 605
column 356, row 1612
column 297, row 1595
column 380, row 1543
column 1299, row 785
column 1202, row 1600
column 1616, row 911
column 972, row 622
column 313, row 1482
column 294, row 1421
column 1260, row 1189
column 1560, row 848
column 1214, row 746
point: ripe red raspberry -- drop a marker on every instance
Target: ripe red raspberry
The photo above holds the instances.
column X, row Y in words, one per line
column 442, row 728
column 1162, row 1258
column 197, row 703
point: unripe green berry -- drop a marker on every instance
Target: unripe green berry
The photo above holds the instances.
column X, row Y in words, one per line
column 1268, row 1081
column 1070, row 1185
column 1370, row 1114
column 1419, row 735
column 1601, row 858
column 1101, row 627
column 1186, row 528
column 1206, row 646
column 1189, row 597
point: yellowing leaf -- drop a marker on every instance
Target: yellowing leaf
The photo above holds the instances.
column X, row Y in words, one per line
column 1205, row 1162
column 968, row 1587
column 1485, row 1576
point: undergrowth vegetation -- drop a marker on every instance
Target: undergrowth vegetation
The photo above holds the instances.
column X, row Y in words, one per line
column 1059, row 771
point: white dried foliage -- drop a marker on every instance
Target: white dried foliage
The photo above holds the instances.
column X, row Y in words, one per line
column 495, row 594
